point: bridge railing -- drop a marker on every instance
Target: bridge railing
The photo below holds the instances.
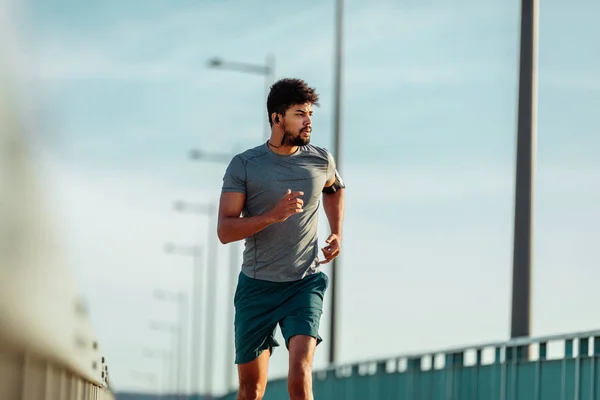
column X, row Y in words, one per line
column 558, row 367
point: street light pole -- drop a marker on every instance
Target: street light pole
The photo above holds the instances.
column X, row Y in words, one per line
column 196, row 253
column 224, row 158
column 147, row 378
column 183, row 313
column 267, row 70
column 233, row 271
column 174, row 330
column 165, row 357
column 199, row 154
column 181, row 300
column 211, row 278
column 269, row 80
column 521, row 284
column 338, row 156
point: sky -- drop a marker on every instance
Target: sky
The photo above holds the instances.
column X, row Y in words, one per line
column 122, row 92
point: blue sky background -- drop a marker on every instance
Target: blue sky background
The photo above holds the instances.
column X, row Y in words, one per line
column 429, row 125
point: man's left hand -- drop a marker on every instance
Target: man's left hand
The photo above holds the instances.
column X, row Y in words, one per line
column 332, row 250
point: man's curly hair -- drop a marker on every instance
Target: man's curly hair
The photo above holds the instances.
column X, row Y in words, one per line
column 287, row 92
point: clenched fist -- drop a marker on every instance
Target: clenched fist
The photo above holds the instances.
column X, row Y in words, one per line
column 288, row 205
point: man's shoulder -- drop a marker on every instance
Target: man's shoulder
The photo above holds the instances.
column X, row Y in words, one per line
column 321, row 152
column 253, row 152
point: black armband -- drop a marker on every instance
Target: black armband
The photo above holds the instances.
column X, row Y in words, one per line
column 337, row 185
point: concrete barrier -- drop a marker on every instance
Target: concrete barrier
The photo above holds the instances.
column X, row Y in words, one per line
column 47, row 347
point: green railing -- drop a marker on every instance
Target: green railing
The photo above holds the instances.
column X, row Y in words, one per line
column 561, row 367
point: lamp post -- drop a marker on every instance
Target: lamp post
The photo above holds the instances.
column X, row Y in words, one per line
column 211, row 277
column 338, row 156
column 224, row 158
column 526, row 133
column 211, row 156
column 180, row 299
column 267, row 70
column 147, row 378
column 165, row 357
column 233, row 271
column 195, row 252
column 175, row 331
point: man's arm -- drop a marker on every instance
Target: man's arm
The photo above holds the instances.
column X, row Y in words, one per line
column 333, row 198
column 333, row 205
column 232, row 228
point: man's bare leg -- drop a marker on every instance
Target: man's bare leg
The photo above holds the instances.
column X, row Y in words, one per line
column 253, row 377
column 301, row 350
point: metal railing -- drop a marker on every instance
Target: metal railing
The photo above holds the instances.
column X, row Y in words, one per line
column 557, row 367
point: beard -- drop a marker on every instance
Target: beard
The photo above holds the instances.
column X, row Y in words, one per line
column 290, row 139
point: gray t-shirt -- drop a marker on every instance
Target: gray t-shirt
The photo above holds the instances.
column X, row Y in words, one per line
column 288, row 250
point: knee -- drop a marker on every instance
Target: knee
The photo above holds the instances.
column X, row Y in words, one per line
column 250, row 392
column 300, row 381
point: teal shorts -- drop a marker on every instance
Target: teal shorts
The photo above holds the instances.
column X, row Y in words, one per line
column 260, row 305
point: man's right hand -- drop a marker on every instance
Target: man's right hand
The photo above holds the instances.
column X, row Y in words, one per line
column 288, row 205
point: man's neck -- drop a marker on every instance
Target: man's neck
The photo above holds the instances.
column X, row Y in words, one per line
column 282, row 149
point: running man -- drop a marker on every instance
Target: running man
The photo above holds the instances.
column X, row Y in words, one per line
column 276, row 188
